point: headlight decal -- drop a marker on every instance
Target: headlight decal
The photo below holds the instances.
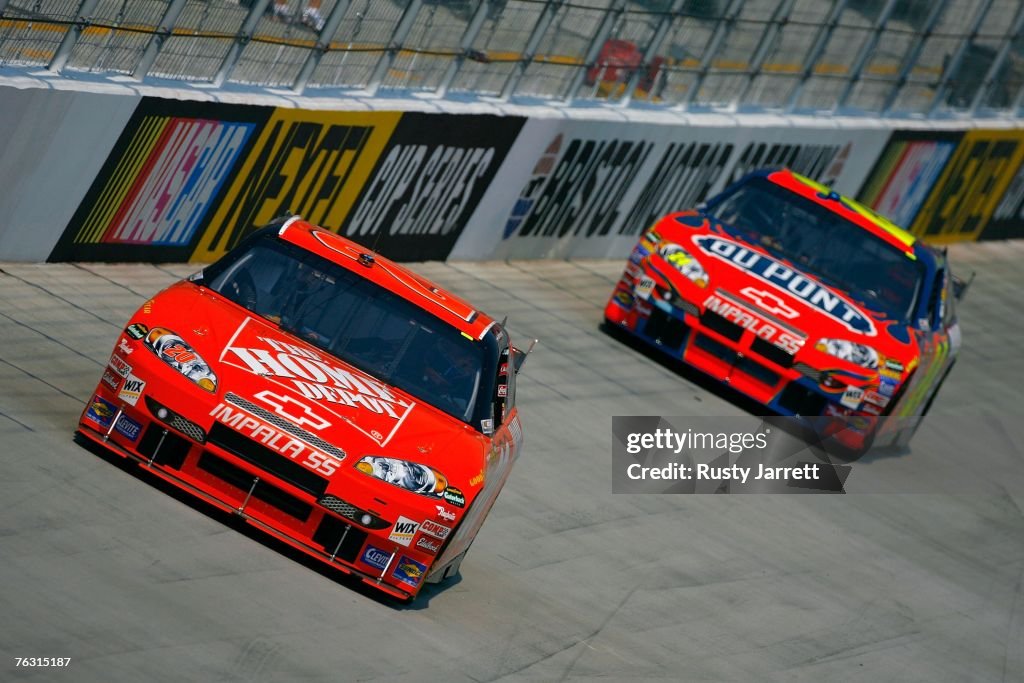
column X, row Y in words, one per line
column 859, row 354
column 410, row 476
column 175, row 351
column 684, row 262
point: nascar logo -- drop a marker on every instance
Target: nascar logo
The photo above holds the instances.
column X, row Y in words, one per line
column 788, row 280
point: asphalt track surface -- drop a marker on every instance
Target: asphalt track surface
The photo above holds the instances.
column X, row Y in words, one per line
column 567, row 581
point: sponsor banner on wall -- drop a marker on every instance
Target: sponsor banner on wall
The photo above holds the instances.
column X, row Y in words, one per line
column 588, row 189
column 428, row 182
column 313, row 163
column 1007, row 220
column 971, row 187
column 906, row 172
column 160, row 182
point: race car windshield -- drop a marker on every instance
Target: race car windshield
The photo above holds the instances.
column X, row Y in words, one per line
column 361, row 323
column 838, row 252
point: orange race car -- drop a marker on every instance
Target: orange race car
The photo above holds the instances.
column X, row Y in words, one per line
column 324, row 394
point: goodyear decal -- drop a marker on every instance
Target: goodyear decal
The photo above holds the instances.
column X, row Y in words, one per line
column 786, row 279
column 311, row 163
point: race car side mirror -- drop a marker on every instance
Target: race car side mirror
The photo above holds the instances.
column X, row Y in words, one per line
column 960, row 286
column 519, row 356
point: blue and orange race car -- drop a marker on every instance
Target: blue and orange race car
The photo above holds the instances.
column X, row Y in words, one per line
column 803, row 300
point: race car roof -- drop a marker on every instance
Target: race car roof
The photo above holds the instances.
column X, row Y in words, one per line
column 850, row 209
column 387, row 274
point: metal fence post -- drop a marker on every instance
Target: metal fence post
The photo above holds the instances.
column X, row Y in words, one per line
column 465, row 44
column 997, row 63
column 820, row 43
column 657, row 40
column 768, row 38
column 67, row 44
column 401, row 32
column 722, row 30
column 942, row 90
column 865, row 53
column 540, row 28
column 259, row 7
column 323, row 42
column 611, row 16
column 910, row 59
column 157, row 39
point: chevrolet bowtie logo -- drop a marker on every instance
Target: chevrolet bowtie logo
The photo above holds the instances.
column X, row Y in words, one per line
column 769, row 302
column 302, row 415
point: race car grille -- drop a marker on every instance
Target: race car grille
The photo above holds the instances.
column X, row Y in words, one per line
column 285, row 425
column 350, row 511
column 757, row 371
column 339, row 537
column 721, row 325
column 807, row 371
column 242, row 480
column 189, row 429
column 267, row 459
column 771, row 352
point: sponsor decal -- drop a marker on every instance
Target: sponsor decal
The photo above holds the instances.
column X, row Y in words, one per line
column 110, row 379
column 893, row 365
column 160, row 182
column 354, row 397
column 313, row 163
column 832, row 410
column 428, row 545
column 428, row 182
column 971, row 185
column 788, row 280
column 644, row 288
column 871, row 409
column 583, row 193
column 100, row 411
column 444, row 513
column 852, row 397
column 434, row 529
column 876, row 398
column 624, row 297
column 403, row 531
column 478, row 479
column 455, row 497
column 788, row 340
column 409, row 571
column 502, row 390
column 888, row 385
column 282, row 442
column 118, row 365
column 769, row 303
column 375, row 557
column 293, row 410
column 131, row 390
column 128, row 427
column 136, row 330
column 123, row 347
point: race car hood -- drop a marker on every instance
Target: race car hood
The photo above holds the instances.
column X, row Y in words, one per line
column 746, row 275
column 284, row 377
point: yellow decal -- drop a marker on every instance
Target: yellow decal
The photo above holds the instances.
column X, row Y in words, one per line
column 963, row 199
column 313, row 163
